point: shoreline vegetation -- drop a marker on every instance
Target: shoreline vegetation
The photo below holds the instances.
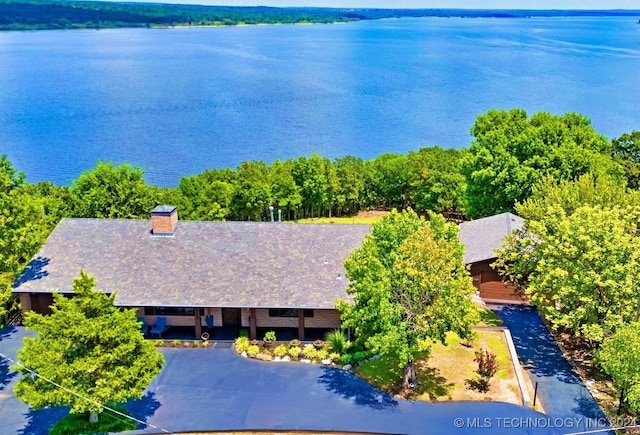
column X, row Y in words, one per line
column 58, row 14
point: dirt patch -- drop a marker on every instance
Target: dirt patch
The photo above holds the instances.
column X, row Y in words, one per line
column 371, row 213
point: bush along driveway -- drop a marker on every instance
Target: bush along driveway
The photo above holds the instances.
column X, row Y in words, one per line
column 559, row 388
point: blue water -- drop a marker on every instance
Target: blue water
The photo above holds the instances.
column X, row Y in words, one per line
column 178, row 101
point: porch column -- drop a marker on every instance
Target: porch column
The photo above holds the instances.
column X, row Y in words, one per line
column 252, row 324
column 198, row 322
column 301, row 324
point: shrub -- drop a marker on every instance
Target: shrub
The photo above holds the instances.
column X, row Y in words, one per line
column 294, row 353
column 346, row 359
column 280, row 351
column 309, row 351
column 359, row 356
column 270, row 336
column 253, row 350
column 335, row 357
column 487, row 368
column 196, row 344
column 242, row 344
column 321, row 354
column 158, row 343
column 244, row 333
column 336, row 341
column 175, row 343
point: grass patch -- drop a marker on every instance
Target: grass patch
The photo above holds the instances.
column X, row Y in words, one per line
column 78, row 424
column 489, row 318
column 442, row 375
column 341, row 220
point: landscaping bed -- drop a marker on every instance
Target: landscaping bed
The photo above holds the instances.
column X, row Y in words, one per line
column 443, row 375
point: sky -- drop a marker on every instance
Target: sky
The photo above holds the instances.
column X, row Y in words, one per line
column 461, row 4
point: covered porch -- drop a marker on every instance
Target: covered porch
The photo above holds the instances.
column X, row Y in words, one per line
column 225, row 323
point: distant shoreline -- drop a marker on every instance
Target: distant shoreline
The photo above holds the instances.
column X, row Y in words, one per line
column 59, row 15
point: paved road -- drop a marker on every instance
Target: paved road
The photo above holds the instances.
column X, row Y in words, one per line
column 207, row 389
column 559, row 388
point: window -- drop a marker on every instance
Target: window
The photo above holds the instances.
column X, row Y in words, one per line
column 170, row 311
column 288, row 312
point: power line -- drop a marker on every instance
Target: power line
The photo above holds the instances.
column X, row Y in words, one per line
column 104, row 407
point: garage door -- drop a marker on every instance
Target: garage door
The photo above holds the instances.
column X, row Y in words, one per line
column 492, row 287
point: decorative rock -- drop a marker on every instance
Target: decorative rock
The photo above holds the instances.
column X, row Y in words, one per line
column 244, row 354
column 326, row 362
column 277, row 358
column 346, row 367
column 375, row 357
column 264, row 357
column 306, row 361
column 286, row 358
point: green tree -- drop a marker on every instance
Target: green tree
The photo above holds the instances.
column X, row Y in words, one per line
column 318, row 182
column 601, row 191
column 510, row 153
column 253, row 191
column 435, row 179
column 209, row 196
column 109, row 191
column 581, row 270
column 619, row 357
column 410, row 286
column 350, row 192
column 390, row 180
column 626, row 150
column 92, row 352
column 25, row 223
column 285, row 191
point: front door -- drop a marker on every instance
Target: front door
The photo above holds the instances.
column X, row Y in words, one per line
column 231, row 317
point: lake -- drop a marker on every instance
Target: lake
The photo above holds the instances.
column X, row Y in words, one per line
column 178, row 101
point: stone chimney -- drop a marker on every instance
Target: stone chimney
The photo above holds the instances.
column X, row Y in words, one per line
column 164, row 219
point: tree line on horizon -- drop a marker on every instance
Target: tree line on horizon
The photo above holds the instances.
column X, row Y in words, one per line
column 74, row 14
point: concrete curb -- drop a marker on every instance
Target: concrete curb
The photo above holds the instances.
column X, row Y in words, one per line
column 524, row 391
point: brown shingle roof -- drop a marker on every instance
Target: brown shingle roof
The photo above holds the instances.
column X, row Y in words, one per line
column 217, row 264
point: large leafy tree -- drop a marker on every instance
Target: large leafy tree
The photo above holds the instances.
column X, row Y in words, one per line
column 26, row 218
column 208, row 196
column 511, row 152
column 109, row 191
column 410, row 286
column 619, row 357
column 626, row 150
column 87, row 353
column 582, row 270
column 435, row 179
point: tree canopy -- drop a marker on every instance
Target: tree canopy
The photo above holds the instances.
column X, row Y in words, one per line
column 410, row 286
column 511, row 152
column 92, row 352
column 619, row 357
column 582, row 270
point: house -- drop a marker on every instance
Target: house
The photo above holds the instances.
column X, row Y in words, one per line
column 244, row 274
column 254, row 275
column 481, row 238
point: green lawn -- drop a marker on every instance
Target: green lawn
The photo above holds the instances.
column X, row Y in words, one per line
column 341, row 220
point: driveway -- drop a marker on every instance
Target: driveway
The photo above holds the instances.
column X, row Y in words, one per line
column 214, row 389
column 559, row 388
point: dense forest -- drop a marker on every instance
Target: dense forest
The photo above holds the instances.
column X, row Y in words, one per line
column 61, row 14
